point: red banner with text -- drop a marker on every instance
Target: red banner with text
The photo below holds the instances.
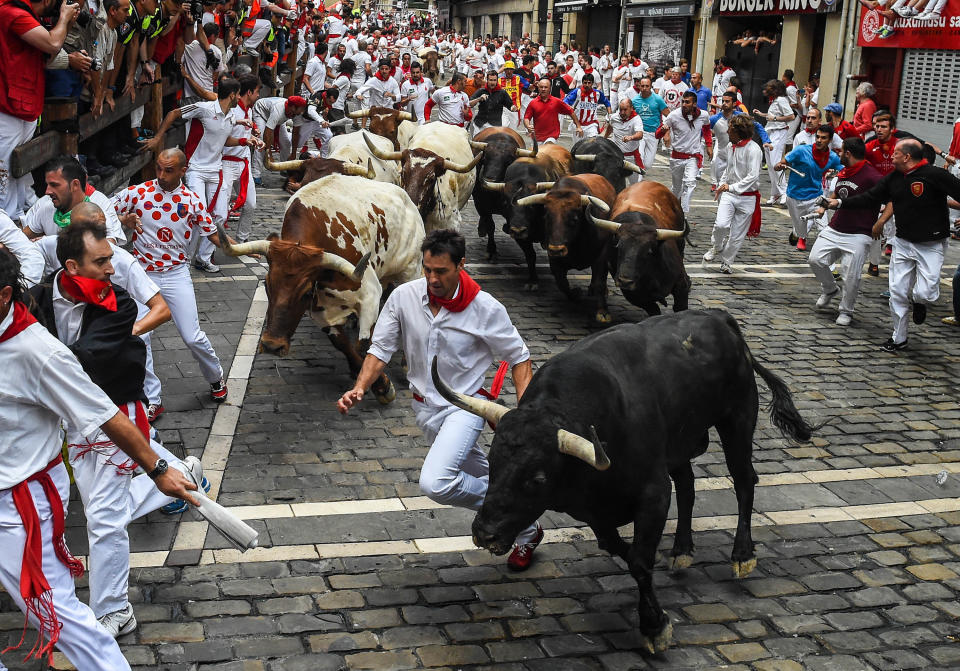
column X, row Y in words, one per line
column 940, row 32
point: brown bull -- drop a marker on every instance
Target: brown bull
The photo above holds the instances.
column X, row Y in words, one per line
column 554, row 159
column 572, row 242
column 647, row 262
column 309, row 170
column 384, row 121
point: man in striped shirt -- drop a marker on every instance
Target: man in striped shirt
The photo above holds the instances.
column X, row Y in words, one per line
column 585, row 101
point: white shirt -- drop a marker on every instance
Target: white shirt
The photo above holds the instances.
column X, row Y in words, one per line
column 377, row 90
column 418, row 93
column 721, row 82
column 239, row 131
column 779, row 107
column 473, row 58
column 67, row 314
column 127, row 272
column 450, row 105
column 465, row 343
column 169, row 220
column 341, row 83
column 195, row 63
column 214, row 126
column 31, row 261
column 684, row 137
column 495, row 61
column 39, row 218
column 362, row 59
column 403, row 44
column 352, row 47
column 804, row 137
column 672, row 94
column 271, row 112
column 622, row 128
column 42, row 383
column 316, row 70
column 743, row 168
column 626, row 78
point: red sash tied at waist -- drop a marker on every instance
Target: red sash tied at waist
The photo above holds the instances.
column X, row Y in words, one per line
column 754, row 229
column 680, row 155
column 495, row 388
column 34, row 588
column 244, row 178
column 635, row 155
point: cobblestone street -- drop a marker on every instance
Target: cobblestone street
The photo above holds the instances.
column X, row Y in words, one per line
column 857, row 532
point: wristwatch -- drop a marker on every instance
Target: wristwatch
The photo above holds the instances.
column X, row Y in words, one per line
column 158, row 469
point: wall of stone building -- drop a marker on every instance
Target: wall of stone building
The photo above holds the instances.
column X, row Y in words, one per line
column 510, row 17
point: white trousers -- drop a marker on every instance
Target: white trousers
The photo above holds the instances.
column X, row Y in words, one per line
column 281, row 138
column 734, row 214
column 607, row 80
column 590, row 130
column 456, row 471
column 176, row 288
column 778, row 138
column 311, row 130
column 848, row 248
column 151, row 383
column 648, row 149
column 718, row 164
column 261, row 29
column 232, row 172
column 111, row 500
column 914, row 278
column 798, row 209
column 207, row 185
column 85, row 643
column 876, row 246
column 683, row 171
column 13, row 190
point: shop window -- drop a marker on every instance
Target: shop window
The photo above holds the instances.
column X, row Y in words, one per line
column 926, row 110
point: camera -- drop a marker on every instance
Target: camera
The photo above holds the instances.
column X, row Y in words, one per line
column 96, row 64
column 196, row 9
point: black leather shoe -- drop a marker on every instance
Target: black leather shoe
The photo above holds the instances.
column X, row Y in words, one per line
column 919, row 313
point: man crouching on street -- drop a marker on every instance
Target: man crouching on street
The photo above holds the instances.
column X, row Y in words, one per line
column 445, row 314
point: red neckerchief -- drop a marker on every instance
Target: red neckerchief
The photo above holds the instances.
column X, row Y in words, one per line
column 416, row 81
column 405, row 70
column 633, row 113
column 587, row 70
column 585, row 92
column 468, row 291
column 87, row 290
column 742, row 143
column 382, row 78
column 492, row 90
column 920, row 164
column 725, row 68
column 851, row 170
column 820, row 156
column 690, row 120
column 21, row 320
column 792, row 83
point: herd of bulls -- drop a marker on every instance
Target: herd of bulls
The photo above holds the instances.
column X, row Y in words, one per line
column 638, row 397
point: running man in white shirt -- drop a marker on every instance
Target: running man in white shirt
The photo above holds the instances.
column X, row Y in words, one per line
column 44, row 383
column 31, row 260
column 687, row 124
column 270, row 117
column 779, row 115
column 738, row 193
column 625, row 128
column 446, row 315
column 415, row 92
column 236, row 160
column 381, row 90
column 165, row 215
column 452, row 103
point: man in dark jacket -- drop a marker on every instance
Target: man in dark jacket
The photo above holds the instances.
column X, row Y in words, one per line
column 919, row 193
column 94, row 319
column 490, row 102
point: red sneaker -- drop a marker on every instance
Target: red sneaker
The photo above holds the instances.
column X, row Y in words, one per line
column 802, row 244
column 218, row 391
column 522, row 555
column 888, row 250
column 154, row 410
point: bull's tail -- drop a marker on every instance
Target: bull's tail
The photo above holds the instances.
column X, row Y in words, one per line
column 783, row 412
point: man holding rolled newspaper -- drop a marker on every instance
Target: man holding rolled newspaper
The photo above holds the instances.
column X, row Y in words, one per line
column 807, row 165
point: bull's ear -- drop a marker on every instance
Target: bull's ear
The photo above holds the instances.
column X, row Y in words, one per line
column 273, row 236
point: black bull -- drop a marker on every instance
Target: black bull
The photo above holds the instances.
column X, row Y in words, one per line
column 646, row 395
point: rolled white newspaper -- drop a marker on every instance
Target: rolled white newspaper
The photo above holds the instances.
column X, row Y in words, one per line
column 240, row 534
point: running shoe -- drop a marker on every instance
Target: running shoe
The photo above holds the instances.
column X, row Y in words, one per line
column 890, row 346
column 119, row 623
column 218, row 391
column 522, row 555
column 154, row 410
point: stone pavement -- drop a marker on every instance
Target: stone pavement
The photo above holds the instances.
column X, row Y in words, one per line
column 858, row 533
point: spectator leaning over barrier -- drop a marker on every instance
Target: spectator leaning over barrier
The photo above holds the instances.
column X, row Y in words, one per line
column 101, row 81
column 23, row 43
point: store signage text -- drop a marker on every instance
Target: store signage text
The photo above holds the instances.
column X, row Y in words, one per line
column 774, row 6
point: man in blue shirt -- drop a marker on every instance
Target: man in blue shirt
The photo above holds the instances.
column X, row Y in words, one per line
column 704, row 94
column 803, row 192
column 651, row 109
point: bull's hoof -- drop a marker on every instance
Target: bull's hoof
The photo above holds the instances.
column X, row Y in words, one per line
column 388, row 396
column 741, row 569
column 660, row 642
column 603, row 317
column 680, row 562
column 531, row 286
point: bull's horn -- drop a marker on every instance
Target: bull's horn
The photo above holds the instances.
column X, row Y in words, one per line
column 459, row 167
column 543, row 186
column 589, row 158
column 525, row 153
column 382, row 155
column 242, row 248
column 405, row 116
column 535, row 199
column 495, row 186
column 603, row 224
column 283, row 165
column 339, row 123
column 490, row 411
column 480, row 146
column 358, row 170
column 586, row 201
column 591, row 452
column 359, row 114
column 339, row 264
column 633, row 167
column 667, row 234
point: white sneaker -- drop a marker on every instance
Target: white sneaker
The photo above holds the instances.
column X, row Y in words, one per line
column 825, row 299
column 119, row 623
column 726, row 269
column 205, row 266
column 843, row 319
column 710, row 255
